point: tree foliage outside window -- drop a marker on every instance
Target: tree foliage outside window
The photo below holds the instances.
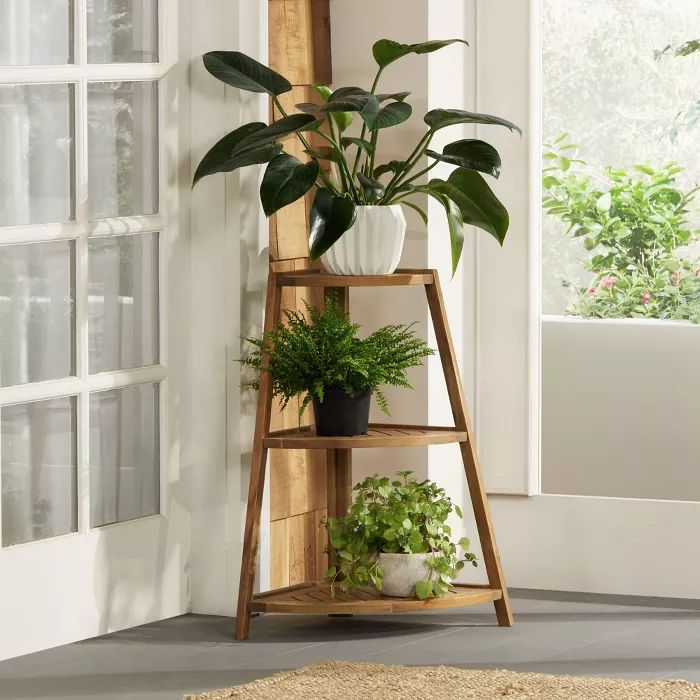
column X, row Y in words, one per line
column 635, row 224
column 603, row 85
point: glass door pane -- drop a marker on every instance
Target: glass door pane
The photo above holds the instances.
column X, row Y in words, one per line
column 36, row 32
column 123, row 301
column 122, row 31
column 39, row 470
column 124, row 454
column 123, row 149
column 37, row 312
column 36, row 154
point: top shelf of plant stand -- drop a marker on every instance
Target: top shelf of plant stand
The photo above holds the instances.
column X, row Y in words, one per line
column 318, row 278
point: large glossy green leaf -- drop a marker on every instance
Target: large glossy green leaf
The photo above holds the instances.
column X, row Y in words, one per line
column 347, row 99
column 225, row 155
column 479, row 205
column 393, row 166
column 455, row 219
column 373, row 189
column 391, row 115
column 417, row 209
column 440, row 118
column 243, row 72
column 279, row 129
column 398, row 96
column 286, row 179
column 455, row 223
column 330, row 217
column 472, row 154
column 342, row 119
column 386, row 51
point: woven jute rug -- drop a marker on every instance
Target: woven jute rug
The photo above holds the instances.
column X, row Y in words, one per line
column 337, row 680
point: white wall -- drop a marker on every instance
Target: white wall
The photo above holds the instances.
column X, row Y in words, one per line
column 229, row 268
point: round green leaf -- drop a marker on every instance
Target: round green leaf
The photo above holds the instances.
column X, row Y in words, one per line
column 424, row 589
column 245, row 73
column 286, row 179
column 472, row 154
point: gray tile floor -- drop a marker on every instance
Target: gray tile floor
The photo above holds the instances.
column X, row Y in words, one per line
column 573, row 633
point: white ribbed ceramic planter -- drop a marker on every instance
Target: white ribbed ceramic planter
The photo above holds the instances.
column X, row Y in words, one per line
column 372, row 246
column 402, row 572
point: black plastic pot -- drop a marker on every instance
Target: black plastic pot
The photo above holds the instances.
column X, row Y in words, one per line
column 341, row 413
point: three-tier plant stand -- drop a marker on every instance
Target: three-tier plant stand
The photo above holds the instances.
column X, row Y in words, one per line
column 313, row 597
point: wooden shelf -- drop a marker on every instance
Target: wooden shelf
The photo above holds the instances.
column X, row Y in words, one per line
column 378, row 435
column 318, row 278
column 316, row 599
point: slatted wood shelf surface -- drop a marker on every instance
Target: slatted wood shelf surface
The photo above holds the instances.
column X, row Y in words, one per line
column 318, row 278
column 316, row 599
column 378, row 435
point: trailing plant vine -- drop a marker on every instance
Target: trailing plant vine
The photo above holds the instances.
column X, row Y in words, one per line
column 400, row 516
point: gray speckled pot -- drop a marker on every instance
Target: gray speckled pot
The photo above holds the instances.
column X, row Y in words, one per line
column 402, row 572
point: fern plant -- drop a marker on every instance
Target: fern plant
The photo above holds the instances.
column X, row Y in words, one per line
column 321, row 350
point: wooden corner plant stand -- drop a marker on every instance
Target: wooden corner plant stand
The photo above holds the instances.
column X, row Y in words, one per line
column 313, row 597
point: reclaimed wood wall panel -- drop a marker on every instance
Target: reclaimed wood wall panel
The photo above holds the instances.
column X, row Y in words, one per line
column 299, row 49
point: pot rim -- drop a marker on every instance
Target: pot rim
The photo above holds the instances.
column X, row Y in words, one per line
column 407, row 554
column 377, row 206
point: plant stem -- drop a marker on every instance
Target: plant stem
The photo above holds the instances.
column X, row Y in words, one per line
column 364, row 126
column 410, row 164
column 342, row 167
column 422, row 172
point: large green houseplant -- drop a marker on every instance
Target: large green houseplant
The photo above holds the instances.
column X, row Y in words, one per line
column 345, row 171
column 395, row 536
column 323, row 360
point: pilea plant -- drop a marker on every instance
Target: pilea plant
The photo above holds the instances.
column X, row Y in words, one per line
column 344, row 167
column 400, row 516
column 636, row 222
column 321, row 350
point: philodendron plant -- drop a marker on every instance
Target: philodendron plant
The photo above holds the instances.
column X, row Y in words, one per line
column 345, row 170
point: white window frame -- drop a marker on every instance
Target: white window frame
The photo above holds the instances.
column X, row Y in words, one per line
column 81, row 230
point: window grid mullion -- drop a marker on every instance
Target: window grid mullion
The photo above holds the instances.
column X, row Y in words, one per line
column 82, row 216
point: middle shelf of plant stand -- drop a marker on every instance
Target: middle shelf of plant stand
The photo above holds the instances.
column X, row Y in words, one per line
column 378, row 435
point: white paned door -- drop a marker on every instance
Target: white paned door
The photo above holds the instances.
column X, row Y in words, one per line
column 93, row 536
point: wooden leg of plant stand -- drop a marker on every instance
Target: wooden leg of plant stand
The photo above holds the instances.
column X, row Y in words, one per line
column 472, row 468
column 339, row 475
column 339, row 481
column 257, row 474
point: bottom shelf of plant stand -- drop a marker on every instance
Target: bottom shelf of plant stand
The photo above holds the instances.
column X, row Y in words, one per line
column 316, row 599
